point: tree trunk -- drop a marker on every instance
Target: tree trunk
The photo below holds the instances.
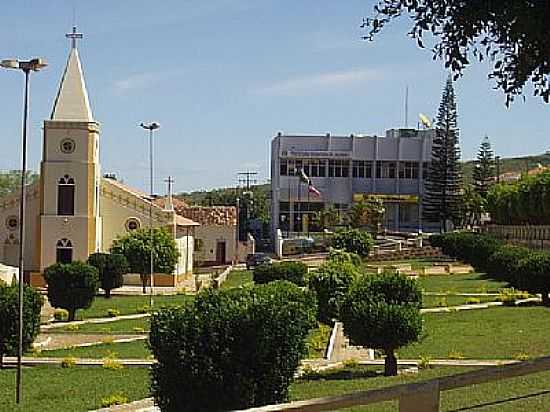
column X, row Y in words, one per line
column 390, row 364
column 545, row 298
column 1, row 360
column 143, row 283
column 107, row 293
column 72, row 314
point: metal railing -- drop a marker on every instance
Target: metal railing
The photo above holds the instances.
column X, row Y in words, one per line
column 414, row 397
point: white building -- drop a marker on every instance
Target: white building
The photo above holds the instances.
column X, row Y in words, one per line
column 346, row 168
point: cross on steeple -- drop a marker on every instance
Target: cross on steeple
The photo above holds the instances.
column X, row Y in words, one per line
column 74, row 36
column 169, row 203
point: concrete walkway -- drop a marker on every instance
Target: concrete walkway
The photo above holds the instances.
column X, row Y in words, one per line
column 46, row 342
column 485, row 305
column 58, row 325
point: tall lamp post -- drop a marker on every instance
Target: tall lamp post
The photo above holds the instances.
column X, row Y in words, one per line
column 26, row 66
column 151, row 127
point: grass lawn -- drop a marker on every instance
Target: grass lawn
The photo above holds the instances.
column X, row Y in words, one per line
column 121, row 327
column 129, row 350
column 528, row 393
column 55, row 389
column 495, row 333
column 128, row 305
column 430, row 301
column 467, row 283
column 237, row 278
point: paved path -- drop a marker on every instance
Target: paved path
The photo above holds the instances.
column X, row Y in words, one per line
column 54, row 341
column 57, row 325
column 475, row 306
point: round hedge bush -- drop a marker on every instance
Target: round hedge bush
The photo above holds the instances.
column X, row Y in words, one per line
column 230, row 349
column 354, row 241
column 295, row 272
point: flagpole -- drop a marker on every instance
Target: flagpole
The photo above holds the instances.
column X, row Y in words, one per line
column 300, row 205
column 308, row 210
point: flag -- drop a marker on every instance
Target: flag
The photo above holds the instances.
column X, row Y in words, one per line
column 303, row 177
column 313, row 190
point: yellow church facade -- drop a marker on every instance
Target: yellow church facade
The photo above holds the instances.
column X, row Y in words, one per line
column 72, row 211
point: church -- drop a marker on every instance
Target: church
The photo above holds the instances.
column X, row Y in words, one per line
column 74, row 211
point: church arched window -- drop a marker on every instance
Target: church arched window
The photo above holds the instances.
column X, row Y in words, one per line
column 64, row 251
column 65, row 196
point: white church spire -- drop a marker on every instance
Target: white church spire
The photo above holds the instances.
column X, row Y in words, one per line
column 71, row 103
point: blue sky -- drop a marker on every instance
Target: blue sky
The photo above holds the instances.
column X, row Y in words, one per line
column 223, row 76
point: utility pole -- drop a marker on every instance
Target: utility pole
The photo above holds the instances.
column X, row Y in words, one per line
column 246, row 178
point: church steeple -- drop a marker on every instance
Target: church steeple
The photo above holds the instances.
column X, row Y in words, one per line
column 71, row 103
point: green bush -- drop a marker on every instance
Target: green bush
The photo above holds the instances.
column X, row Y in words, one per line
column 114, row 399
column 503, row 264
column 354, row 241
column 113, row 313
column 9, row 318
column 534, row 275
column 71, row 286
column 383, row 312
column 230, row 348
column 331, row 283
column 60, row 315
column 341, row 256
column 295, row 272
column 111, row 267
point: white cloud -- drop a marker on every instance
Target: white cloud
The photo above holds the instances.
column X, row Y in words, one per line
column 134, row 82
column 320, row 82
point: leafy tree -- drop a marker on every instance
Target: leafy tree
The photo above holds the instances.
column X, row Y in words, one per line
column 331, row 283
column 383, row 312
column 230, row 349
column 10, row 181
column 111, row 268
column 327, row 218
column 71, row 286
column 472, row 206
column 353, row 240
column 9, row 314
column 512, row 34
column 441, row 201
column 136, row 248
column 483, row 174
column 366, row 213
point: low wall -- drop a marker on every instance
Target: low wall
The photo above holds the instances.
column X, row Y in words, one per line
column 426, row 251
column 532, row 236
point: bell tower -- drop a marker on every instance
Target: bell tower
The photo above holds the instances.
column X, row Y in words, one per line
column 70, row 172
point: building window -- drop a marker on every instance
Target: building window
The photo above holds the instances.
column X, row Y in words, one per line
column 385, row 170
column 408, row 170
column 64, row 251
column 199, row 245
column 338, row 168
column 362, row 169
column 65, row 196
column 132, row 224
column 283, row 167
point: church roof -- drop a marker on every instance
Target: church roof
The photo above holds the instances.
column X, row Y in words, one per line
column 71, row 103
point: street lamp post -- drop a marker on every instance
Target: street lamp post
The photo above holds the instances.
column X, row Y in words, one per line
column 151, row 127
column 26, row 66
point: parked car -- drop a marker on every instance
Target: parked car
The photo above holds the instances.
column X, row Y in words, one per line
column 257, row 259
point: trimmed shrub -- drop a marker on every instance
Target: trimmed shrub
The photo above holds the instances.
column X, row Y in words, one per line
column 111, row 267
column 503, row 264
column 71, row 286
column 354, row 241
column 341, row 256
column 230, row 349
column 534, row 275
column 60, row 315
column 9, row 318
column 383, row 312
column 331, row 283
column 295, row 272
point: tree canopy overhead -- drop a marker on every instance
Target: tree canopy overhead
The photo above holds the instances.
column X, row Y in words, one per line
column 512, row 34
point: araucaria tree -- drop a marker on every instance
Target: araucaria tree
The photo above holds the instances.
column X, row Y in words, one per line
column 441, row 202
column 484, row 168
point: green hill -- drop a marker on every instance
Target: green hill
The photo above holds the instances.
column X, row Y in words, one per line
column 512, row 164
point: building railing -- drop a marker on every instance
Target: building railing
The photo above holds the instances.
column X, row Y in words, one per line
column 414, row 397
